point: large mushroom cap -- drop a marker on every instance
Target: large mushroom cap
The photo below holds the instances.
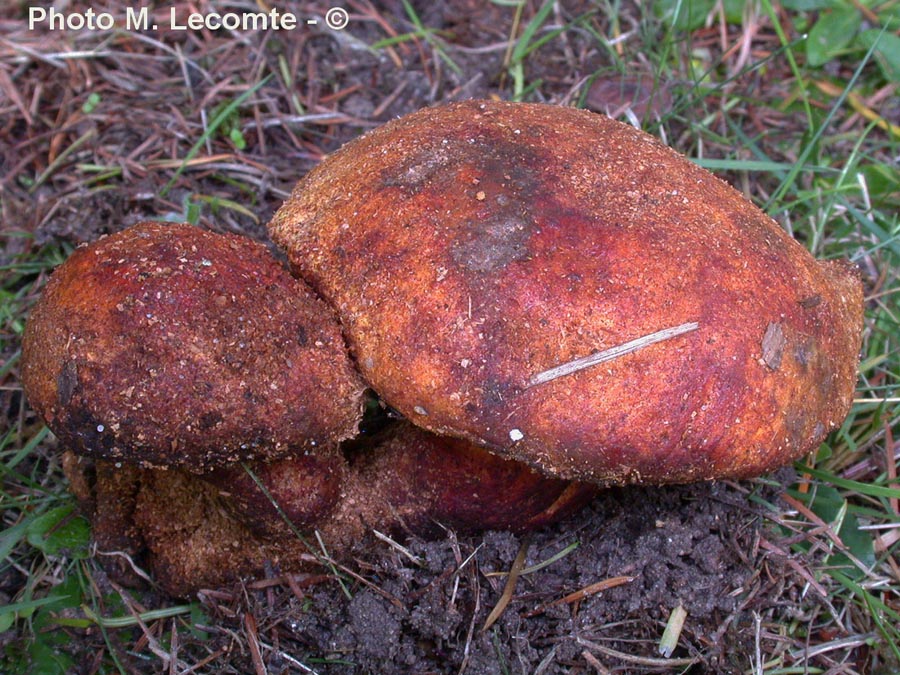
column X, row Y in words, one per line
column 166, row 345
column 469, row 248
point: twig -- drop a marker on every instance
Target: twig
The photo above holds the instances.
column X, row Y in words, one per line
column 152, row 642
column 547, row 661
column 611, row 353
column 848, row 642
column 134, row 568
column 173, row 648
column 361, row 579
column 250, row 630
column 399, row 548
column 592, row 589
column 55, row 164
column 640, row 660
column 757, row 648
column 476, row 588
column 594, row 662
column 582, row 593
column 204, row 662
column 318, row 118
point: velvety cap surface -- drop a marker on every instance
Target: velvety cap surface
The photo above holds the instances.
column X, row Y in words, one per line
column 469, row 248
column 167, row 345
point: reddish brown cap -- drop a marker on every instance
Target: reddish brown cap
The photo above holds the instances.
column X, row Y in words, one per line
column 167, row 345
column 470, row 248
column 276, row 499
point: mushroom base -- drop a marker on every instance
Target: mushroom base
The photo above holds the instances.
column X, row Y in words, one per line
column 190, row 533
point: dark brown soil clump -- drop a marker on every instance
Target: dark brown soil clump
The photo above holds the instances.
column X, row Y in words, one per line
column 422, row 609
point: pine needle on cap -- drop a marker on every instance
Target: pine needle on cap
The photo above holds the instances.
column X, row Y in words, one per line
column 612, row 353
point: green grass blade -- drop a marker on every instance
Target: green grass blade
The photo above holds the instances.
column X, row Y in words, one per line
column 524, row 45
column 805, row 154
column 211, row 128
column 867, row 489
column 765, row 166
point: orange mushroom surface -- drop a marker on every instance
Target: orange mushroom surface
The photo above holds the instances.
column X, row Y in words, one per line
column 555, row 301
column 470, row 250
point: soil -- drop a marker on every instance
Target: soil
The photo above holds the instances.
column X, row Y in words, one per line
column 422, row 608
column 709, row 548
column 678, row 546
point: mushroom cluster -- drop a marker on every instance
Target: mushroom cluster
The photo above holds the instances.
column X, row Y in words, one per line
column 203, row 395
column 552, row 300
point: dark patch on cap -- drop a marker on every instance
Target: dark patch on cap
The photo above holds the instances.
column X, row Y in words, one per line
column 66, row 383
column 486, row 175
column 209, row 420
column 801, row 426
column 493, row 243
column 804, row 351
column 773, row 346
column 810, row 302
column 416, row 174
column 496, row 396
column 89, row 433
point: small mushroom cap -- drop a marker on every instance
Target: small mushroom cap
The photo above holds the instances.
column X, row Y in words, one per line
column 469, row 248
column 407, row 481
column 167, row 345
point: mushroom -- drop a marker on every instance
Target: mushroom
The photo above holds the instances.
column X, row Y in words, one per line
column 566, row 291
column 169, row 346
column 553, row 300
column 194, row 533
column 203, row 394
column 407, row 480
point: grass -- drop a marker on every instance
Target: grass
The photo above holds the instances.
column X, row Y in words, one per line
column 808, row 130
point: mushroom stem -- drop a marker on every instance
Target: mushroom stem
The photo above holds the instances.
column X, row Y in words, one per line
column 612, row 353
column 201, row 531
